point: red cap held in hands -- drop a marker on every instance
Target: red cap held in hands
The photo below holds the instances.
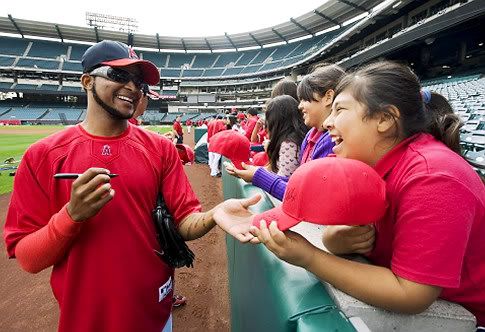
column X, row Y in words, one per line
column 330, row 191
column 232, row 145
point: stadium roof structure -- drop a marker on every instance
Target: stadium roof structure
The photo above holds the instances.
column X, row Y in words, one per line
column 330, row 15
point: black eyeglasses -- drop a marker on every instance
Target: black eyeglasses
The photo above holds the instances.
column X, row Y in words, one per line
column 118, row 75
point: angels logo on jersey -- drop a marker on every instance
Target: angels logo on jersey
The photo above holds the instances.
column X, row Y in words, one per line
column 106, row 151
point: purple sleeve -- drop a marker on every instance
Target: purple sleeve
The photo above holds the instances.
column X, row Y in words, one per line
column 270, row 182
column 323, row 147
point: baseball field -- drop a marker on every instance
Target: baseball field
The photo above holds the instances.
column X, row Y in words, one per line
column 26, row 301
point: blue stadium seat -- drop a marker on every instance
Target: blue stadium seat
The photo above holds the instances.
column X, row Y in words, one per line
column 72, row 66
column 55, row 114
column 192, row 72
column 283, row 51
column 203, row 60
column 170, row 72
column 262, row 55
column 247, row 57
column 22, row 87
column 157, row 58
column 5, row 85
column 6, row 61
column 48, row 87
column 13, row 46
column 226, row 58
column 250, row 69
column 77, row 51
column 179, row 59
column 213, row 72
column 71, row 88
column 24, row 114
column 38, row 64
column 232, row 71
column 47, row 49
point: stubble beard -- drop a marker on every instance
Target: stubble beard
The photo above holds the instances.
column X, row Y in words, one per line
column 113, row 112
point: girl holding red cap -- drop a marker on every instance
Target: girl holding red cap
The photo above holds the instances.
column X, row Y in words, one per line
column 429, row 244
column 316, row 93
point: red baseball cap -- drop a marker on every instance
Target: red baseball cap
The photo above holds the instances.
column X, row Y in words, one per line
column 260, row 159
column 186, row 153
column 232, row 145
column 240, row 115
column 330, row 191
column 116, row 54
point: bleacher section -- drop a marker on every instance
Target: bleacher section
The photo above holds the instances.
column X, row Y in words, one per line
column 55, row 114
column 467, row 95
column 27, row 114
column 56, row 56
column 155, row 117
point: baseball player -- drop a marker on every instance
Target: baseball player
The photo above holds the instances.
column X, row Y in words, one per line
column 96, row 231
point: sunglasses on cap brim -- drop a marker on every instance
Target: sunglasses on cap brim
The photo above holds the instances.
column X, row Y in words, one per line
column 118, row 75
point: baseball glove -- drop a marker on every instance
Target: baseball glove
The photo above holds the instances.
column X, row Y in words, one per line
column 174, row 251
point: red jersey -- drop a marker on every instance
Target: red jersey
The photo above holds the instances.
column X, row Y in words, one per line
column 178, row 128
column 109, row 278
column 262, row 135
column 188, row 122
column 250, row 124
column 434, row 230
column 214, row 127
column 133, row 121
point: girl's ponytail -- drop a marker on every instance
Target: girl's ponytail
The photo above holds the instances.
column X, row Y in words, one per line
column 443, row 123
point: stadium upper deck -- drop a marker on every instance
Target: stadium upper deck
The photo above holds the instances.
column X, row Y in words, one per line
column 271, row 50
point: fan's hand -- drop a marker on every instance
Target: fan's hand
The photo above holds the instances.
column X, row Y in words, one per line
column 246, row 174
column 288, row 246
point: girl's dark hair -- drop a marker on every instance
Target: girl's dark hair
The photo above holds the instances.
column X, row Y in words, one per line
column 284, row 123
column 285, row 87
column 383, row 84
column 319, row 81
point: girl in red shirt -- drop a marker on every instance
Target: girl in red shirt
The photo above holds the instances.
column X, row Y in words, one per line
column 430, row 242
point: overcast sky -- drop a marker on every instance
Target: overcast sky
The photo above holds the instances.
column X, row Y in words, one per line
column 180, row 18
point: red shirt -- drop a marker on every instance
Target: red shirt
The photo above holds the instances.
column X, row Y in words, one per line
column 214, row 127
column 109, row 277
column 250, row 124
column 262, row 135
column 133, row 121
column 434, row 230
column 312, row 140
column 188, row 122
column 178, row 128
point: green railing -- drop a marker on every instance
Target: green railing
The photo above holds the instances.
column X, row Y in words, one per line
column 268, row 294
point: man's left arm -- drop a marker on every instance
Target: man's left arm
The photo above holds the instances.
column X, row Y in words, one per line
column 196, row 224
column 232, row 216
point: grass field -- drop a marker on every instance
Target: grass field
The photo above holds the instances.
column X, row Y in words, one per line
column 14, row 140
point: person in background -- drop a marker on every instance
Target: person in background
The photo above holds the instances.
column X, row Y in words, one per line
column 286, row 130
column 188, row 124
column 252, row 118
column 178, row 130
column 215, row 125
column 286, row 86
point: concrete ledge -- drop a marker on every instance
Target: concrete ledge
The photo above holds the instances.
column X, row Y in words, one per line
column 440, row 316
